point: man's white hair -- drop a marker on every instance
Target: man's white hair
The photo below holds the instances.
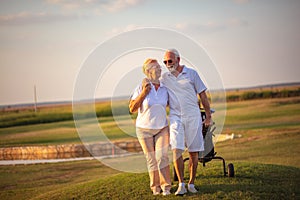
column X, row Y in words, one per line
column 174, row 51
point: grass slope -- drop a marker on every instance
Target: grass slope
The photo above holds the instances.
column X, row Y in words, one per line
column 252, row 181
column 28, row 181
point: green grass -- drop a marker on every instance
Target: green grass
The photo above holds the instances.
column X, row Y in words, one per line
column 259, row 112
column 241, row 116
column 88, row 180
column 266, row 160
column 28, row 181
column 58, row 113
column 62, row 132
column 39, row 134
column 280, row 146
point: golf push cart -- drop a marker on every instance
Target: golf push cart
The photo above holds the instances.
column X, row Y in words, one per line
column 209, row 151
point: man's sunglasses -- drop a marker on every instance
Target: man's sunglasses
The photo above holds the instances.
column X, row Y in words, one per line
column 168, row 61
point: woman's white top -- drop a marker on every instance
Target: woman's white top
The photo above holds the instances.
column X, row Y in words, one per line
column 152, row 113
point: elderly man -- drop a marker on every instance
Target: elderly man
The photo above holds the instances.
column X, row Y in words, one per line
column 184, row 85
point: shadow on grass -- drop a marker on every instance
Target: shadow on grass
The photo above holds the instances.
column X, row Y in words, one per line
column 252, row 181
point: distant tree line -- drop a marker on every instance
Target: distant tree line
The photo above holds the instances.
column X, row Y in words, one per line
column 267, row 94
column 29, row 117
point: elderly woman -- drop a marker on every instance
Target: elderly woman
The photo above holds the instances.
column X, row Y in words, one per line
column 150, row 100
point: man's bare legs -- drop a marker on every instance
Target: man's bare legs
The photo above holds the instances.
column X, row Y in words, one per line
column 179, row 168
column 178, row 164
column 193, row 164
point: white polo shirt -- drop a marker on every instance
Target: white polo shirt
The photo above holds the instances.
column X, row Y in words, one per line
column 152, row 113
column 183, row 90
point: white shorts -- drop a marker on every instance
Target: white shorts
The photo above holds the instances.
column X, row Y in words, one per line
column 186, row 132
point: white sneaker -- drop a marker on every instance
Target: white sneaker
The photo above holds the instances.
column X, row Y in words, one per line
column 165, row 193
column 181, row 190
column 192, row 189
column 156, row 193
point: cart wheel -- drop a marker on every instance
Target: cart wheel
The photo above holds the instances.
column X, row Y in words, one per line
column 230, row 170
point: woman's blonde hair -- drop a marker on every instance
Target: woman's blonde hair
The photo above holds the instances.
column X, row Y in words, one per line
column 147, row 62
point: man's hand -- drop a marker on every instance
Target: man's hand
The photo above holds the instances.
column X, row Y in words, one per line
column 207, row 122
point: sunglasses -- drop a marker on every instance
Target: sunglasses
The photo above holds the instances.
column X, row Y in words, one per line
column 168, row 61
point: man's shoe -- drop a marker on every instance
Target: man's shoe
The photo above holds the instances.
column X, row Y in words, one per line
column 165, row 193
column 181, row 190
column 192, row 189
column 156, row 193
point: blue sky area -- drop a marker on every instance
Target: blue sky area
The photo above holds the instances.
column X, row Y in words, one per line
column 45, row 42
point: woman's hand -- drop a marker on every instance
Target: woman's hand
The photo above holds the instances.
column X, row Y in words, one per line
column 136, row 103
column 146, row 86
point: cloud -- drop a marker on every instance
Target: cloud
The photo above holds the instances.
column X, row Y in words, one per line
column 72, row 10
column 241, row 1
column 105, row 5
column 115, row 6
column 235, row 22
column 192, row 27
column 116, row 31
column 28, row 18
column 211, row 26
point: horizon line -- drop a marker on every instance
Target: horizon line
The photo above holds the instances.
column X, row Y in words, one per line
column 124, row 97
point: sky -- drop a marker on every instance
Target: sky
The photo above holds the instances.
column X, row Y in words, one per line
column 45, row 43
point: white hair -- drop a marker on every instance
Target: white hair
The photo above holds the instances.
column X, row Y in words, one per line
column 174, row 51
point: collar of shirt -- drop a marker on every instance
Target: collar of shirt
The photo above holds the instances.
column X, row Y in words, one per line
column 184, row 70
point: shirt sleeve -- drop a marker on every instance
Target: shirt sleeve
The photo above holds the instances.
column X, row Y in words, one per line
column 137, row 92
column 199, row 85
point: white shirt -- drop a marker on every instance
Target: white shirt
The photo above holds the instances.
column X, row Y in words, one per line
column 152, row 113
column 183, row 90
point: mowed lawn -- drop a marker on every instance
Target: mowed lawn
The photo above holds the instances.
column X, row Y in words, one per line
column 266, row 160
column 270, row 131
column 63, row 132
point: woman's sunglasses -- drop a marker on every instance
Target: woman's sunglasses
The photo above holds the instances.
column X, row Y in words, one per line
column 168, row 61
